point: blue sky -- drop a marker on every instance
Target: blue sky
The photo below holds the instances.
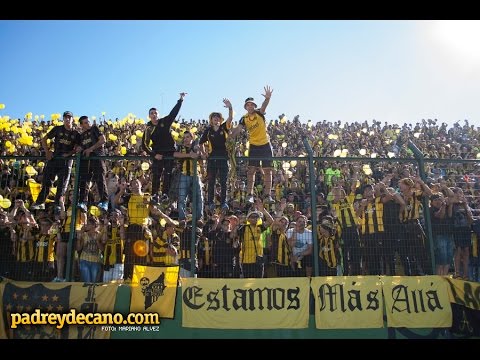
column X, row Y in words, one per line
column 350, row 70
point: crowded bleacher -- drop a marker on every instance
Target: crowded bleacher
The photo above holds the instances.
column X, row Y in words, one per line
column 370, row 200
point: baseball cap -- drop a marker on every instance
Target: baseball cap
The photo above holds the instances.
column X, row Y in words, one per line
column 249, row 100
column 67, row 113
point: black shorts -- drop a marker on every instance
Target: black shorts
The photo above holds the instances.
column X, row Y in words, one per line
column 260, row 151
column 65, row 237
column 134, row 232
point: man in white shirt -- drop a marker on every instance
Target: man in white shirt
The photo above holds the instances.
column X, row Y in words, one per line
column 301, row 243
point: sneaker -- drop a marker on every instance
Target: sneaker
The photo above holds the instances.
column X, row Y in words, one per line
column 57, row 279
column 57, row 209
column 103, row 205
column 37, row 207
column 225, row 206
column 251, row 199
column 164, row 199
column 269, row 199
column 82, row 206
column 155, row 200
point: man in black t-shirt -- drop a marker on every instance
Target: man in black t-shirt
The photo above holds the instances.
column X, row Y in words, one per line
column 92, row 143
column 59, row 162
column 216, row 135
column 158, row 142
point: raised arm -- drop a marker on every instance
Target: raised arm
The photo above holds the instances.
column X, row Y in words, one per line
column 267, row 96
column 174, row 112
column 228, row 105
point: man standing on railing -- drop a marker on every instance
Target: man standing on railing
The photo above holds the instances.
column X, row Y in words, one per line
column 260, row 147
column 59, row 162
column 92, row 141
column 158, row 142
column 216, row 135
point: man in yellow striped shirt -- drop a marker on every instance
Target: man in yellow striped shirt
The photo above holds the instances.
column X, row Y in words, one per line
column 254, row 122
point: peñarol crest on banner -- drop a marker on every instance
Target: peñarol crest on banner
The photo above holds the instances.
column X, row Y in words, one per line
column 154, row 290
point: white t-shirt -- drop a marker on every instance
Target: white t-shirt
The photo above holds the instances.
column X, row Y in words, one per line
column 303, row 240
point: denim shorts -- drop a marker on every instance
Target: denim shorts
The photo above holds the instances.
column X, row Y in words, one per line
column 443, row 249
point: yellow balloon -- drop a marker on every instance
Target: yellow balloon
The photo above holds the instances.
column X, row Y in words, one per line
column 337, row 153
column 2, row 106
column 5, row 203
column 139, row 133
column 293, row 163
column 8, row 143
column 362, row 151
column 30, row 170
column 123, row 150
column 41, row 164
column 145, row 166
column 95, row 211
column 284, row 145
column 162, row 222
column 1, row 197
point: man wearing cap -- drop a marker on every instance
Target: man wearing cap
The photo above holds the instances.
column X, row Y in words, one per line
column 260, row 147
column 249, row 238
column 162, row 145
column 59, row 162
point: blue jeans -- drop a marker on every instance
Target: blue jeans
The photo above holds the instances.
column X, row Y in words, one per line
column 184, row 187
column 89, row 271
column 443, row 249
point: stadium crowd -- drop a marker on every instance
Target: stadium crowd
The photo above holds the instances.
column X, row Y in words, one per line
column 370, row 211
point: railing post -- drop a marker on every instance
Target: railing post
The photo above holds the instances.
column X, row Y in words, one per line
column 194, row 220
column 313, row 205
column 426, row 210
column 73, row 221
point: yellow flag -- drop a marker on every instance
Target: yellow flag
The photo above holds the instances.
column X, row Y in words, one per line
column 417, row 301
column 154, row 290
column 34, row 188
column 465, row 293
column 274, row 303
column 348, row 302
